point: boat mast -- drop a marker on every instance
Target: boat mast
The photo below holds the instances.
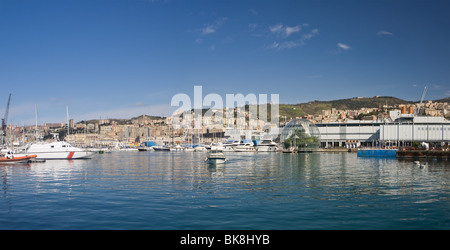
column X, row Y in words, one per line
column 35, row 131
column 67, row 110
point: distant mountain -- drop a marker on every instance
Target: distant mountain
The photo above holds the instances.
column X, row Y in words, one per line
column 443, row 100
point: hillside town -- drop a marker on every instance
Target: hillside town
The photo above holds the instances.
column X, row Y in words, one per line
column 138, row 130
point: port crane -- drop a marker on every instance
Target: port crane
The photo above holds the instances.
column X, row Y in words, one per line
column 5, row 119
column 421, row 100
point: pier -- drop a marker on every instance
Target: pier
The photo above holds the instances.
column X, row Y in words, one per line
column 419, row 153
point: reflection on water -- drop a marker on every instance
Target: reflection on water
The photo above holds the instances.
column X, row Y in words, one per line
column 178, row 190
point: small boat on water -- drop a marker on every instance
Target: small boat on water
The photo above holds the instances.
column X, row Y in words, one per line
column 161, row 148
column 200, row 148
column 267, row 146
column 229, row 146
column 59, row 150
column 7, row 157
column 245, row 146
column 216, row 156
column 189, row 149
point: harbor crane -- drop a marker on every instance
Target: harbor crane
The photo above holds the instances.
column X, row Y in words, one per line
column 421, row 100
column 5, row 119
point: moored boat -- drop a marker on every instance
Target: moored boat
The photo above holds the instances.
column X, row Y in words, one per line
column 59, row 150
column 7, row 157
column 245, row 146
column 266, row 146
column 161, row 148
column 200, row 148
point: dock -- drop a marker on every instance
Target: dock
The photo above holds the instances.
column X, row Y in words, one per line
column 418, row 153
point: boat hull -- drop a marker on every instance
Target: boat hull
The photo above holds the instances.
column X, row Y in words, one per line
column 216, row 160
column 266, row 148
column 65, row 155
column 17, row 159
column 161, row 149
column 244, row 149
column 59, row 150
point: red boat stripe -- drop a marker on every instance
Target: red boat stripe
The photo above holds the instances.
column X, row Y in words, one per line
column 70, row 155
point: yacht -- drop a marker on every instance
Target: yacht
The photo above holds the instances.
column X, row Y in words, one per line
column 229, row 146
column 267, row 146
column 59, row 150
column 200, row 148
column 245, row 147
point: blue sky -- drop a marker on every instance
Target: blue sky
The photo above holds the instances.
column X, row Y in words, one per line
column 123, row 58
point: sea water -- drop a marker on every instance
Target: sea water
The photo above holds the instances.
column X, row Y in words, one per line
column 178, row 190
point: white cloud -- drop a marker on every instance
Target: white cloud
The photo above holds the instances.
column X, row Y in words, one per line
column 290, row 30
column 208, row 30
column 212, row 28
column 310, row 35
column 384, row 33
column 276, row 28
column 294, row 43
column 343, row 46
column 284, row 31
column 274, row 45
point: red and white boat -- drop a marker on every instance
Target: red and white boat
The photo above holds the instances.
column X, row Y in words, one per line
column 7, row 156
column 59, row 150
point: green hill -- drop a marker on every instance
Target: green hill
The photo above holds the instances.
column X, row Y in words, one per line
column 316, row 107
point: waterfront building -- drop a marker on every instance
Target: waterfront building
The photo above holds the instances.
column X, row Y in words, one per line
column 396, row 130
column 416, row 129
column 350, row 134
column 300, row 134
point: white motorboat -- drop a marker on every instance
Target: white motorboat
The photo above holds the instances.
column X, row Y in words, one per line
column 245, row 147
column 59, row 150
column 229, row 146
column 8, row 156
column 267, row 146
column 200, row 148
column 176, row 148
column 216, row 156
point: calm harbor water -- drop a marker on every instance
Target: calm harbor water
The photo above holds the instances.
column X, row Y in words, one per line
column 177, row 190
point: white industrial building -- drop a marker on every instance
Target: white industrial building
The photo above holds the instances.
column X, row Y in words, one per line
column 421, row 128
column 352, row 133
column 399, row 130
